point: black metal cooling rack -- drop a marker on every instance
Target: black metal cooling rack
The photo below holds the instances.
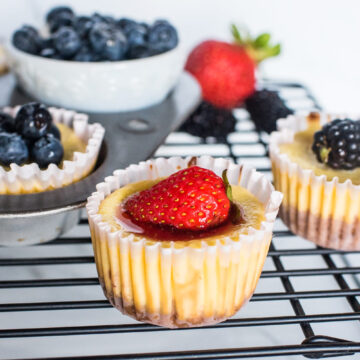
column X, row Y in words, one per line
column 306, row 303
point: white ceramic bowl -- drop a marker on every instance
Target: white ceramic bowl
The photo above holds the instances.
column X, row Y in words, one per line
column 98, row 87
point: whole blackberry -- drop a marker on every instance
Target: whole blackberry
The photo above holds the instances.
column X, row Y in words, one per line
column 265, row 107
column 210, row 121
column 337, row 144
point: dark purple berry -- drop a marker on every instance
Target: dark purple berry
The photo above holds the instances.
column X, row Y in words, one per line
column 33, row 121
column 109, row 42
column 67, row 42
column 337, row 144
column 27, row 39
column 98, row 18
column 162, row 37
column 86, row 54
column 139, row 52
column 47, row 150
column 126, row 24
column 60, row 16
column 137, row 35
column 54, row 130
column 210, row 121
column 50, row 53
column 12, row 149
column 7, row 123
column 265, row 108
column 83, row 25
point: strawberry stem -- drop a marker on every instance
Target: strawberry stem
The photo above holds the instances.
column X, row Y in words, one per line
column 235, row 212
column 259, row 48
column 227, row 185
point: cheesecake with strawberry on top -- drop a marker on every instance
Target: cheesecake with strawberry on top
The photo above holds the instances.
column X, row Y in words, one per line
column 181, row 248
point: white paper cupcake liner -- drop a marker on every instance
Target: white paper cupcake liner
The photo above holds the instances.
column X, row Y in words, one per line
column 325, row 212
column 187, row 285
column 30, row 178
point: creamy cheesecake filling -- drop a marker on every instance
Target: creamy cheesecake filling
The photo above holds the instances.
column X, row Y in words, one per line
column 70, row 141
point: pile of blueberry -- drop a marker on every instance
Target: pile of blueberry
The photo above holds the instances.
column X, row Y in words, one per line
column 30, row 136
column 95, row 37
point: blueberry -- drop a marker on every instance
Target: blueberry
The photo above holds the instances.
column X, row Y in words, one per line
column 47, row 150
column 12, row 149
column 67, row 42
column 47, row 43
column 126, row 24
column 139, row 52
column 7, row 122
column 50, row 53
column 109, row 20
column 54, row 130
column 98, row 36
column 86, row 54
column 144, row 25
column 162, row 37
column 60, row 16
column 109, row 42
column 136, row 35
column 27, row 39
column 31, row 30
column 83, row 25
column 33, row 121
column 58, row 12
column 161, row 21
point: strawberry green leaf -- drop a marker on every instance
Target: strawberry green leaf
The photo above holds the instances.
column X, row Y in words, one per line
column 235, row 212
column 227, row 185
column 236, row 34
column 258, row 48
column 262, row 40
column 275, row 50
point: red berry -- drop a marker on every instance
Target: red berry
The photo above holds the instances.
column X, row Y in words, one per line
column 191, row 199
column 225, row 72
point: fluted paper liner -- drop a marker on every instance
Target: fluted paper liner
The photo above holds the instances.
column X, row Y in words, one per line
column 30, row 178
column 322, row 211
column 180, row 286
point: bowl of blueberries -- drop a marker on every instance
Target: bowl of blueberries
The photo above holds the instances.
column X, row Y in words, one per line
column 96, row 63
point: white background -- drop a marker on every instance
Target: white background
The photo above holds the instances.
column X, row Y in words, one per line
column 320, row 38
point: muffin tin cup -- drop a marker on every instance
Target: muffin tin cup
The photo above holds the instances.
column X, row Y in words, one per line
column 30, row 178
column 322, row 211
column 181, row 284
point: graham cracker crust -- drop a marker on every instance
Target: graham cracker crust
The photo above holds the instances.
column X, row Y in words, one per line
column 169, row 321
column 325, row 232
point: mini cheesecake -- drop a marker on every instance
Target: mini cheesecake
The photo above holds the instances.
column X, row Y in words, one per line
column 81, row 144
column 173, row 277
column 321, row 203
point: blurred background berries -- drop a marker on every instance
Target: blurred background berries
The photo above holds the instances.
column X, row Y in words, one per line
column 95, row 38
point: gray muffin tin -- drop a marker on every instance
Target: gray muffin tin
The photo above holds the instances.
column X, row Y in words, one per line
column 129, row 138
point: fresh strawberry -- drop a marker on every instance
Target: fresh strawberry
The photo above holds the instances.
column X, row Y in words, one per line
column 226, row 71
column 191, row 199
